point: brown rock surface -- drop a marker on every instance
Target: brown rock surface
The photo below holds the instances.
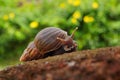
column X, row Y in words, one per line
column 98, row 64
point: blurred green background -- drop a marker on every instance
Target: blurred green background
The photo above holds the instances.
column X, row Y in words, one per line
column 21, row 20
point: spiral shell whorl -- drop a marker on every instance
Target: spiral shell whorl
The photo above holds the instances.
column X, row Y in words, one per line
column 46, row 39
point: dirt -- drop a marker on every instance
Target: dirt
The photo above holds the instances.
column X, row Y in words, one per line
column 98, row 64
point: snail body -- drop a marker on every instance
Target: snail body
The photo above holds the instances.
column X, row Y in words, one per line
column 48, row 42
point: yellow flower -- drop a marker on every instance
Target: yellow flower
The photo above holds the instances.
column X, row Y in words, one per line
column 5, row 17
column 70, row 1
column 76, row 15
column 62, row 5
column 74, row 20
column 11, row 15
column 91, row 19
column 34, row 24
column 74, row 2
column 95, row 5
column 88, row 19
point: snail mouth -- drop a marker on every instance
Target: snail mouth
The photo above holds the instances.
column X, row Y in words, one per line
column 66, row 48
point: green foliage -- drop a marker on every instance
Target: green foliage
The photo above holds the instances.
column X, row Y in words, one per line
column 20, row 20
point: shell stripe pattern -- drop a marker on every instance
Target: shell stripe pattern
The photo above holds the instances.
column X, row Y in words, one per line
column 46, row 40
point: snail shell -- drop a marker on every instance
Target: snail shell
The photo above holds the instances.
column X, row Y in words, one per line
column 31, row 52
column 46, row 40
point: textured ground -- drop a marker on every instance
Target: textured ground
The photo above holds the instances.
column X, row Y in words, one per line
column 99, row 64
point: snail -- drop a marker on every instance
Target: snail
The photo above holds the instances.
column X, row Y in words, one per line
column 48, row 42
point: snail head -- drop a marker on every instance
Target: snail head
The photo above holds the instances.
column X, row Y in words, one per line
column 68, row 42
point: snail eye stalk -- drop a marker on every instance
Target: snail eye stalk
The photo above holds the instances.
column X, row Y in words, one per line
column 60, row 39
column 72, row 35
